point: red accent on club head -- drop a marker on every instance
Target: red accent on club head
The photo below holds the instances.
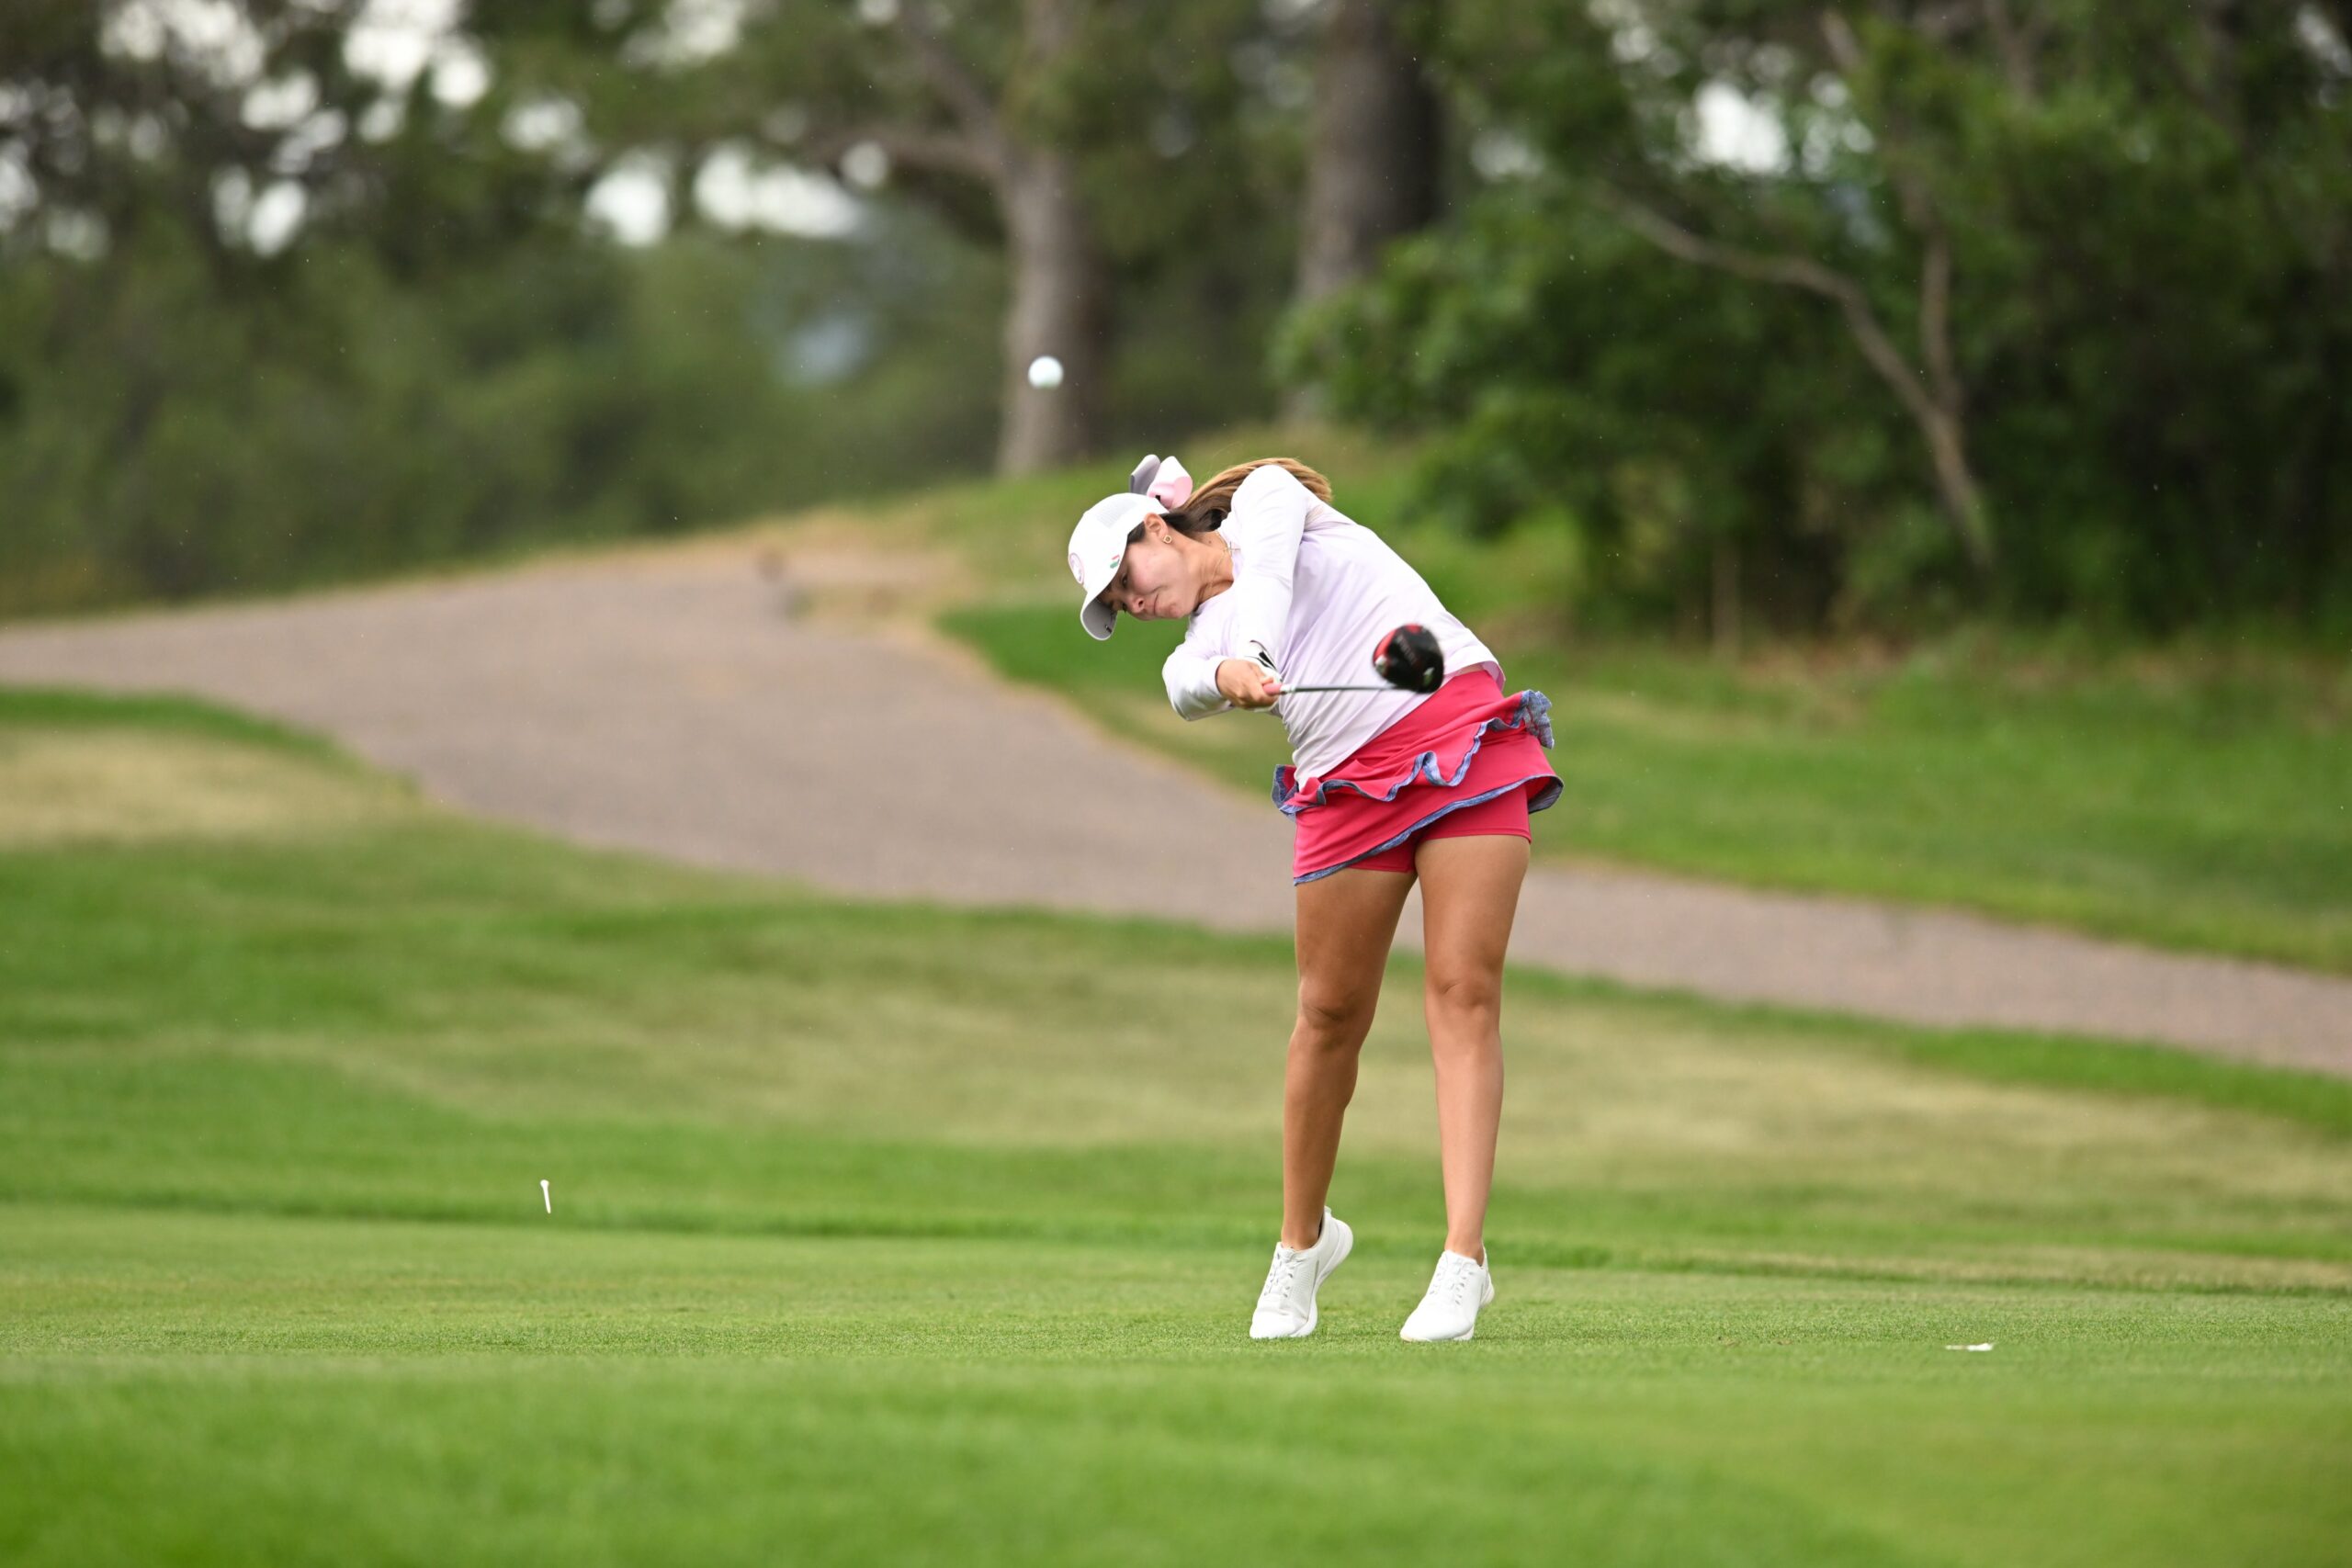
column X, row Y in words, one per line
column 1408, row 657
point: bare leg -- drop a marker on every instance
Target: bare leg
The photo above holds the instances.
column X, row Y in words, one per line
column 1469, row 896
column 1346, row 921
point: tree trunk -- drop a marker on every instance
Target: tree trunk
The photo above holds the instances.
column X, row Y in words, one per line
column 1724, row 624
column 1060, row 295
column 1372, row 155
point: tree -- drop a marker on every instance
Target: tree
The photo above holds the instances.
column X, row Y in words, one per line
column 2077, row 276
column 422, row 353
column 1373, row 148
column 1008, row 118
column 111, row 114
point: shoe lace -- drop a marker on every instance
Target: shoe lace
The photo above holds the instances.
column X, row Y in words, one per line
column 1280, row 1276
column 1452, row 1279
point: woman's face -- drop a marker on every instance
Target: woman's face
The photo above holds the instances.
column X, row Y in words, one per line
column 1156, row 579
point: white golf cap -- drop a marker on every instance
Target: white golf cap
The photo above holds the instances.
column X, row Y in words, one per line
column 1097, row 545
column 1099, row 542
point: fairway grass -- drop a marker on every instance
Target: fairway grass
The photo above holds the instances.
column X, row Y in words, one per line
column 238, row 1388
column 886, row 1233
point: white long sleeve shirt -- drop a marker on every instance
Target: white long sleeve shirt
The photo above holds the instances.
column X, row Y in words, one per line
column 1316, row 590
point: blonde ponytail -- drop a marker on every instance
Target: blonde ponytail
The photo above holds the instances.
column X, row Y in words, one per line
column 1206, row 507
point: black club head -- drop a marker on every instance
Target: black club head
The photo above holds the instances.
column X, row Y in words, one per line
column 1408, row 657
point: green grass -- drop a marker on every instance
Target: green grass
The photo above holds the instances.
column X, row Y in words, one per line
column 2199, row 813
column 2193, row 798
column 886, row 1233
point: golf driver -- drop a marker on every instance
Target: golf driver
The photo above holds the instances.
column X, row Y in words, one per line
column 1407, row 658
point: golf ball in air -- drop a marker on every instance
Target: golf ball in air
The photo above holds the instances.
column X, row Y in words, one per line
column 1045, row 371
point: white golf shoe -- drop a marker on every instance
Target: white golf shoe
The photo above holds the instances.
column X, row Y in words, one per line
column 1450, row 1311
column 1287, row 1305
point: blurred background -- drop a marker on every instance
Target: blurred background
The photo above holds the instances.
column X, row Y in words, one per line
column 535, row 646
column 1747, row 318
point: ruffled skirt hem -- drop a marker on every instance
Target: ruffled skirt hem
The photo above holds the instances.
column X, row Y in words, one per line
column 1529, row 710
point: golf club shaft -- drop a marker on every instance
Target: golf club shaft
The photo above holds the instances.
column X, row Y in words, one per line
column 1288, row 689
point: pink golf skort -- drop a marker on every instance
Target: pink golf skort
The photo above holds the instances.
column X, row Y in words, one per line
column 1470, row 759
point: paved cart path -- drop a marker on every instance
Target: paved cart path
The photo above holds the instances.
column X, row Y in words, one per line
column 668, row 701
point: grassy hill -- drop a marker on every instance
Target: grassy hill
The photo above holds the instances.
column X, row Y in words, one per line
column 886, row 1232
column 2197, row 799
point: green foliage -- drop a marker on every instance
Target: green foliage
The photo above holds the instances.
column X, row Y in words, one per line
column 446, row 364
column 2149, row 221
column 325, row 419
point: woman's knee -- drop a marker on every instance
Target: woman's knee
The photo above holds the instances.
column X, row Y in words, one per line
column 1468, row 995
column 1332, row 1016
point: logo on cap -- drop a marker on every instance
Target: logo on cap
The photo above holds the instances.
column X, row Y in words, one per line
column 1078, row 569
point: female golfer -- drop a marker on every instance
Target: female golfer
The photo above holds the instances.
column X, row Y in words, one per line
column 1385, row 785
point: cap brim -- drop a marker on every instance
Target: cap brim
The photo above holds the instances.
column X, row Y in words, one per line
column 1100, row 544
